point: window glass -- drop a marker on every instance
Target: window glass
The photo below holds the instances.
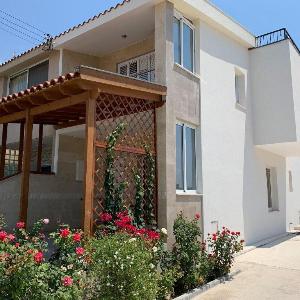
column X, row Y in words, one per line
column 269, row 187
column 188, row 47
column 18, row 83
column 177, row 40
column 179, row 158
column 38, row 74
column 190, row 159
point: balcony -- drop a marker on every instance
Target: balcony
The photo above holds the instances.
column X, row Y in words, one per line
column 275, row 77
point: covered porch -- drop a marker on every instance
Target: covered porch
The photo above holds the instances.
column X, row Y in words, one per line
column 98, row 103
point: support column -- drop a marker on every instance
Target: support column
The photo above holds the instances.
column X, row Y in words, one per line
column 89, row 163
column 26, row 167
column 21, row 147
column 40, row 149
column 3, row 150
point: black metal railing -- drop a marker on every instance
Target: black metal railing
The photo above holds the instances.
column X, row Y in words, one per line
column 273, row 38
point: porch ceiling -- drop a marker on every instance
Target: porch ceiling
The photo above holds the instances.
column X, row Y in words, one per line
column 61, row 101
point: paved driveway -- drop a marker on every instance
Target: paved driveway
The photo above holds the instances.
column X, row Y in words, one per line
column 269, row 272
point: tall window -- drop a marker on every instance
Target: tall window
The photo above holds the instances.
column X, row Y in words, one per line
column 185, row 158
column 240, row 88
column 33, row 76
column 142, row 67
column 271, row 177
column 184, row 44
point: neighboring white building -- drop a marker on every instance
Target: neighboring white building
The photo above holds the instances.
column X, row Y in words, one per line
column 228, row 136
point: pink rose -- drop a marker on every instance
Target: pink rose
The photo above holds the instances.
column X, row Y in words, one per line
column 79, row 251
column 67, row 281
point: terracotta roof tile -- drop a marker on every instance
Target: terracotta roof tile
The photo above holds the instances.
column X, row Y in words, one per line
column 68, row 30
column 39, row 87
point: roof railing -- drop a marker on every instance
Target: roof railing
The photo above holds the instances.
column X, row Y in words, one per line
column 273, row 38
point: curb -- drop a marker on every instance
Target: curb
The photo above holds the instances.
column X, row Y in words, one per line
column 196, row 292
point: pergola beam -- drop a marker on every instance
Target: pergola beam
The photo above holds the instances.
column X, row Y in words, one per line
column 89, row 162
column 3, row 150
column 26, row 167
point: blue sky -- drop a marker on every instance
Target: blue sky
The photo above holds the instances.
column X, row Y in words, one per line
column 258, row 16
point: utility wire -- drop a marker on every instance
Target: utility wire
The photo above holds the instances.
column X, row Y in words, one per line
column 6, row 30
column 21, row 32
column 25, row 23
column 20, row 26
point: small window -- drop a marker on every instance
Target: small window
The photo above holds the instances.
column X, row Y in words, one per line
column 272, row 193
column 18, row 83
column 142, row 67
column 185, row 158
column 38, row 74
column 184, row 43
column 240, row 88
column 31, row 77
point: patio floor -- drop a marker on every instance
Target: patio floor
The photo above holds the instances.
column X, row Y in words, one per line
column 269, row 272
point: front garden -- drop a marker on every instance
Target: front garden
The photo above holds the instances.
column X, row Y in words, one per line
column 123, row 260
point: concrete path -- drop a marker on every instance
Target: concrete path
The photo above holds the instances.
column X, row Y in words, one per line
column 269, row 272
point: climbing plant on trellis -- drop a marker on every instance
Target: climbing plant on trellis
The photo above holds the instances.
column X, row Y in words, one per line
column 130, row 153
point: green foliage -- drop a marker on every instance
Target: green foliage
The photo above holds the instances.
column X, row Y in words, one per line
column 149, row 188
column 139, row 196
column 113, row 192
column 186, row 252
column 126, row 269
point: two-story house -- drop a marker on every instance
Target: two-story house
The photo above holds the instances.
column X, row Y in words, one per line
column 216, row 106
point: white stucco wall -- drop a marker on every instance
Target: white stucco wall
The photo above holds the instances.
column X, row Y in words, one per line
column 223, row 130
column 293, row 192
column 273, row 105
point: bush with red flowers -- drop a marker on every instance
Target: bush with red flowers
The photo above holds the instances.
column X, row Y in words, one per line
column 218, row 253
column 26, row 274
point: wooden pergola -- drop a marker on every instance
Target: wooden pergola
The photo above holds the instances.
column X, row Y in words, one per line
column 69, row 101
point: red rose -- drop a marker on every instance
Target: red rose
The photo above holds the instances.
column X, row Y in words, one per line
column 64, row 232
column 153, row 235
column 17, row 245
column 197, row 216
column 105, row 217
column 141, row 231
column 214, row 238
column 76, row 237
column 79, row 251
column 238, row 233
column 20, row 225
column 38, row 257
column 67, row 281
column 130, row 228
column 3, row 235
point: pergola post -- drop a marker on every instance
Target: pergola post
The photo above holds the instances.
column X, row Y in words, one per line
column 3, row 150
column 89, row 163
column 26, row 167
column 21, row 146
column 40, row 149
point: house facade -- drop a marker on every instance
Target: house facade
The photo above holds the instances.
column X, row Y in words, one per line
column 226, row 129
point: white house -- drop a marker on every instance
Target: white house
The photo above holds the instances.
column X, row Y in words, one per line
column 227, row 135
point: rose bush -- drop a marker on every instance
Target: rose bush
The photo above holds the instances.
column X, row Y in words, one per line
column 218, row 253
column 122, row 261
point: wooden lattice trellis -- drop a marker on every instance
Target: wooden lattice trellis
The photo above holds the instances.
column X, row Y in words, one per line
column 138, row 115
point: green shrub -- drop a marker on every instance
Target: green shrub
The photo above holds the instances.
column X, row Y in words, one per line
column 122, row 268
column 186, row 252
